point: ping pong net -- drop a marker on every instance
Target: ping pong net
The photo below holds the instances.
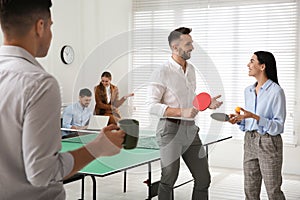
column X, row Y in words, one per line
column 82, row 139
column 144, row 142
column 149, row 142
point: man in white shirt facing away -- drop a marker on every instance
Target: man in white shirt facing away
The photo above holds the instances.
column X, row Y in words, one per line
column 31, row 164
column 170, row 96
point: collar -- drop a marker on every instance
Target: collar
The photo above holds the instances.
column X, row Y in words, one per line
column 177, row 66
column 265, row 86
column 16, row 51
column 80, row 106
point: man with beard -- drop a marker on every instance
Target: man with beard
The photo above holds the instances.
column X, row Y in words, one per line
column 170, row 96
column 77, row 115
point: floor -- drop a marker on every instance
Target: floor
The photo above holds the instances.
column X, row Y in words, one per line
column 227, row 184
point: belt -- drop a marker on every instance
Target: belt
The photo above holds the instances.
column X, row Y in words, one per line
column 257, row 134
column 180, row 121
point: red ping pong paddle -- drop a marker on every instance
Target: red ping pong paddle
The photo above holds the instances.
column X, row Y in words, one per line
column 202, row 101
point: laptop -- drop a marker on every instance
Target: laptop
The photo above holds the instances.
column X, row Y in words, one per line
column 97, row 122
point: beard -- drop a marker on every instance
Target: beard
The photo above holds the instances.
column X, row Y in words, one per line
column 184, row 54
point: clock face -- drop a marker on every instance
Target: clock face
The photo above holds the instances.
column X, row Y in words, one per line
column 67, row 54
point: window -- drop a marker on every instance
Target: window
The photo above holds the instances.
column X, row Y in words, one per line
column 225, row 34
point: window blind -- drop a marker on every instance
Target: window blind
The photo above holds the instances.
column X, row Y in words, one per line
column 226, row 33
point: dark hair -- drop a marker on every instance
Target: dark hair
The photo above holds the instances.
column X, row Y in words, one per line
column 175, row 35
column 18, row 16
column 106, row 74
column 85, row 93
column 267, row 58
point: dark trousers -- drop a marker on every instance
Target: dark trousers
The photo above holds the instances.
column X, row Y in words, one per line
column 177, row 141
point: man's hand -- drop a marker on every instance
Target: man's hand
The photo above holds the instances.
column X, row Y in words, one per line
column 214, row 103
column 107, row 143
column 79, row 127
column 114, row 134
column 189, row 112
column 74, row 127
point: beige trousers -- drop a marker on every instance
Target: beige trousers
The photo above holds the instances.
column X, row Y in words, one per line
column 262, row 161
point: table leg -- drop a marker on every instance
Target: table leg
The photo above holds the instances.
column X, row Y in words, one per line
column 125, row 178
column 206, row 149
column 82, row 187
column 94, row 186
column 149, row 181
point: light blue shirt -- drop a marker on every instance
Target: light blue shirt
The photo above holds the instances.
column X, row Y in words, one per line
column 269, row 105
column 76, row 115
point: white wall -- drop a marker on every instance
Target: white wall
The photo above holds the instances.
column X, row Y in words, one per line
column 85, row 25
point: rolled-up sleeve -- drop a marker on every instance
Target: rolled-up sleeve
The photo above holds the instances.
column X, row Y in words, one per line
column 275, row 124
column 241, row 125
column 41, row 144
column 155, row 93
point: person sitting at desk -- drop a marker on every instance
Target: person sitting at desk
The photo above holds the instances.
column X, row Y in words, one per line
column 107, row 99
column 77, row 115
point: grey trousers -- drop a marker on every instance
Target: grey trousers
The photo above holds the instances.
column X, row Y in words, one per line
column 181, row 141
column 262, row 160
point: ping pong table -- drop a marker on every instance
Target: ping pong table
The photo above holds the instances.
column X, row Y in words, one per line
column 125, row 160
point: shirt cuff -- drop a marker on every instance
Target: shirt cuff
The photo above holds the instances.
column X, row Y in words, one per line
column 68, row 163
column 262, row 122
column 164, row 108
column 69, row 126
column 158, row 110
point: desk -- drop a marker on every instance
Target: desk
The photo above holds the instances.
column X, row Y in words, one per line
column 123, row 161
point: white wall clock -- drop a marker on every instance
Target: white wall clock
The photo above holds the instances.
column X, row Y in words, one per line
column 67, row 54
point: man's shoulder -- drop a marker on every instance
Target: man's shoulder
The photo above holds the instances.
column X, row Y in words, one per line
column 160, row 71
column 22, row 68
column 29, row 79
column 69, row 108
column 163, row 67
column 72, row 105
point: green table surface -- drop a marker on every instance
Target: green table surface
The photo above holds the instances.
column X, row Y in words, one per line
column 126, row 158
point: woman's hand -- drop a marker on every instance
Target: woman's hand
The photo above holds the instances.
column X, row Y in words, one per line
column 128, row 95
column 239, row 116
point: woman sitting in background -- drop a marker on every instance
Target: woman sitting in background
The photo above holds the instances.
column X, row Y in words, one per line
column 107, row 99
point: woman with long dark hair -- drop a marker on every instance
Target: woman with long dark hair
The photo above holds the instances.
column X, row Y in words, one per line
column 262, row 119
column 107, row 99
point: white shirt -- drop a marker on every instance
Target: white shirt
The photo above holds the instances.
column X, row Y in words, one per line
column 108, row 93
column 171, row 87
column 31, row 166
